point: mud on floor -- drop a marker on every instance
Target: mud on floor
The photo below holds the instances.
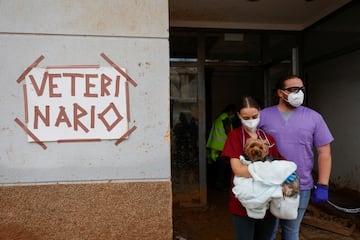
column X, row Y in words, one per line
column 215, row 223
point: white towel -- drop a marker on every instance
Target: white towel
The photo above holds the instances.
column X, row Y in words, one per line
column 256, row 193
column 272, row 173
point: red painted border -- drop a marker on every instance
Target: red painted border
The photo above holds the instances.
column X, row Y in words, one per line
column 28, row 69
column 119, row 69
column 36, row 139
column 123, row 137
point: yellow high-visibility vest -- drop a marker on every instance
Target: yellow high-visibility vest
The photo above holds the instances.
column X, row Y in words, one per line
column 217, row 136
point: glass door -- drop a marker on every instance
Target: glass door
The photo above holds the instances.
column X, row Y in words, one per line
column 185, row 134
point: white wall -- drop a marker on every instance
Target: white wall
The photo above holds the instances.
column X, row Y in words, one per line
column 134, row 34
column 333, row 90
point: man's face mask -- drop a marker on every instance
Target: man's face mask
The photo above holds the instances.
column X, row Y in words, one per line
column 295, row 98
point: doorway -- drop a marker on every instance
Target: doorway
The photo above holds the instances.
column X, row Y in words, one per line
column 210, row 69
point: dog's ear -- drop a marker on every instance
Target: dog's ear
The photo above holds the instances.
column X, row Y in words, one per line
column 247, row 148
column 266, row 146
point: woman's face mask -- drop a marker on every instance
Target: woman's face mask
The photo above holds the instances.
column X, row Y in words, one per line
column 295, row 99
column 250, row 118
column 251, row 124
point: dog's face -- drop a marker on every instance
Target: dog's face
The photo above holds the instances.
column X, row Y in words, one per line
column 256, row 149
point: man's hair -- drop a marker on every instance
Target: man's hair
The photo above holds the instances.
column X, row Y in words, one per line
column 281, row 83
column 230, row 108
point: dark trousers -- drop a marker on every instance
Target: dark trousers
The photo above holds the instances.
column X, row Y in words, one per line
column 253, row 229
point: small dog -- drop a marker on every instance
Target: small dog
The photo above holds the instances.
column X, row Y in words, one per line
column 258, row 150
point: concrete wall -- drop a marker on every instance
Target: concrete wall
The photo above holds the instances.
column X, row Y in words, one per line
column 95, row 189
column 333, row 87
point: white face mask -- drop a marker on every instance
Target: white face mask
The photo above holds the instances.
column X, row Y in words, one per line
column 251, row 124
column 295, row 99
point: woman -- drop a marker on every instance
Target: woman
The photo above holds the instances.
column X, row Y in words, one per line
column 247, row 228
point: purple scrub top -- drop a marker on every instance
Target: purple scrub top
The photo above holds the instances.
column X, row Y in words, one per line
column 297, row 137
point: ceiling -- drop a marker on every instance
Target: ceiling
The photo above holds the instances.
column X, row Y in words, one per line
column 291, row 15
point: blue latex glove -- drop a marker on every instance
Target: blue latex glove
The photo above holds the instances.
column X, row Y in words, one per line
column 320, row 194
column 291, row 178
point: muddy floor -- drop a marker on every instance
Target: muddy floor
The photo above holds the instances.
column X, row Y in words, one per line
column 214, row 222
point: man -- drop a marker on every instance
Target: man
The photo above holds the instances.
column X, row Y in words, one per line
column 215, row 144
column 297, row 131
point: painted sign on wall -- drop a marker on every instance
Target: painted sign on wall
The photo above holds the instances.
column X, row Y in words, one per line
column 76, row 103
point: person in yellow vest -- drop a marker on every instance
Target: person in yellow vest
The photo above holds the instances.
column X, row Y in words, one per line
column 223, row 124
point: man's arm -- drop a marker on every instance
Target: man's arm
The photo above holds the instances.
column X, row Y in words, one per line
column 227, row 125
column 324, row 164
